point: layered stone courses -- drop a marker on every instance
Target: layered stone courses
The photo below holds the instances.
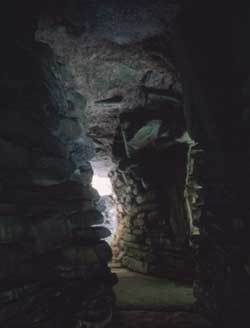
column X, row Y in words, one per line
column 54, row 263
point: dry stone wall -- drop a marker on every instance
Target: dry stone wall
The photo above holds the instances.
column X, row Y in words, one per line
column 53, row 270
column 152, row 230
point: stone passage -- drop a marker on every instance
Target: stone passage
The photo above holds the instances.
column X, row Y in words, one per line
column 125, row 90
column 102, row 59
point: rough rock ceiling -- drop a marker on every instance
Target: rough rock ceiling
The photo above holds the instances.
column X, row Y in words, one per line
column 107, row 54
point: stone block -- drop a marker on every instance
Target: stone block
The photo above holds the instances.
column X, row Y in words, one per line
column 137, row 253
column 138, row 222
column 103, row 252
column 138, row 232
column 21, row 129
column 129, row 237
column 81, row 150
column 86, row 218
column 80, row 255
column 51, row 170
column 69, row 129
column 135, row 265
column 153, row 216
column 139, row 199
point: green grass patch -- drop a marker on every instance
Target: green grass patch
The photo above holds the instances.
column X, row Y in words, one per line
column 136, row 291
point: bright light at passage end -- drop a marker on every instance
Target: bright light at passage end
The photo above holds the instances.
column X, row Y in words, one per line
column 102, row 185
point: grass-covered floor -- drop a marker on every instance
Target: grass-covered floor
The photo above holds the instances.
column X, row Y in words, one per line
column 136, row 291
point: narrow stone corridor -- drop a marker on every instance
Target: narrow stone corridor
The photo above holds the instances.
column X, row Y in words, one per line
column 156, row 94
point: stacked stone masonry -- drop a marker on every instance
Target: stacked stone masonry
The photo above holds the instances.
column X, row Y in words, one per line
column 152, row 230
column 54, row 263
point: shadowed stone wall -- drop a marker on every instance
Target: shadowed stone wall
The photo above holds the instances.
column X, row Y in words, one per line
column 54, row 270
column 156, row 199
column 215, row 91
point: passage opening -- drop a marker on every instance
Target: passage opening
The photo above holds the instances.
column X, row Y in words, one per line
column 101, row 182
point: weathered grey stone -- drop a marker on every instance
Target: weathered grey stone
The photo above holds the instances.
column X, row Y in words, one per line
column 81, row 150
column 144, row 229
column 51, row 170
column 138, row 254
column 23, row 131
column 139, row 222
column 69, row 129
column 139, row 200
column 135, row 265
column 34, row 224
column 86, row 218
column 138, row 244
column 66, row 195
column 50, row 234
column 138, row 232
column 84, row 173
column 76, row 103
column 135, row 191
column 92, row 234
column 129, row 237
column 120, row 208
column 83, row 255
column 104, row 252
column 52, row 79
column 56, row 232
column 128, row 189
column 118, row 183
